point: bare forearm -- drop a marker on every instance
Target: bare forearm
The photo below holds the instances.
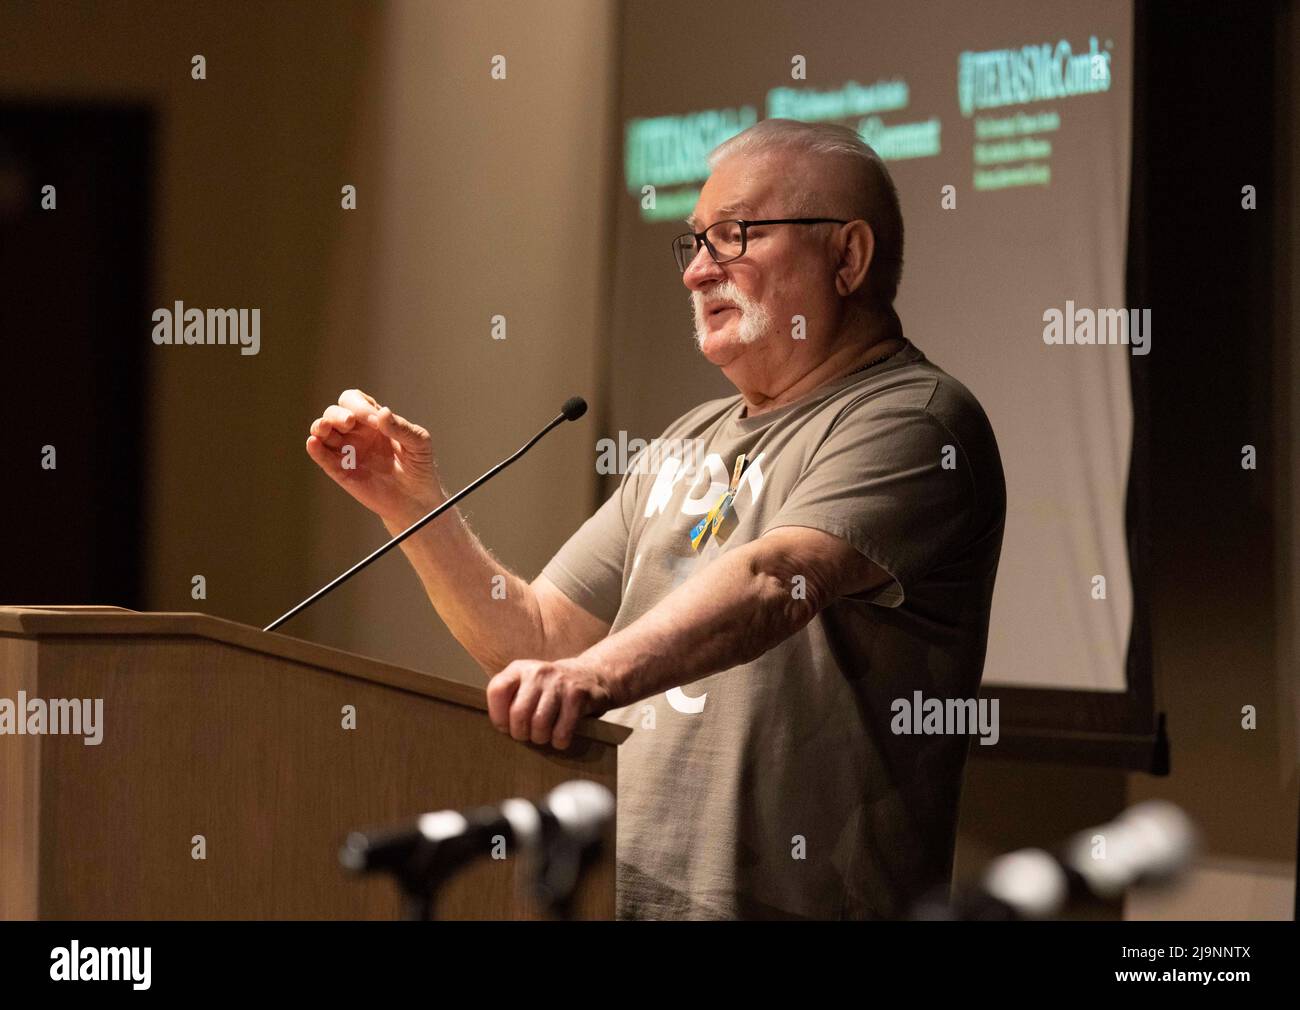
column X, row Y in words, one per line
column 495, row 619
column 732, row 612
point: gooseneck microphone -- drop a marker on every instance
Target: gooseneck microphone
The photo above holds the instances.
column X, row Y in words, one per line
column 573, row 408
column 559, row 838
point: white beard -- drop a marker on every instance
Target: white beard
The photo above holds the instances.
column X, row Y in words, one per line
column 755, row 319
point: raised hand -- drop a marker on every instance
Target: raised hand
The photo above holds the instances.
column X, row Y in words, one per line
column 390, row 467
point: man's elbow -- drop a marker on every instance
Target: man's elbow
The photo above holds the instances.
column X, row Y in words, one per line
column 795, row 591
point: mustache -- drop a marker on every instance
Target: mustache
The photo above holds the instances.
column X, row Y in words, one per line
column 755, row 323
column 701, row 303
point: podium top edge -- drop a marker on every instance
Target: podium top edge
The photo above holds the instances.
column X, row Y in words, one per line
column 42, row 621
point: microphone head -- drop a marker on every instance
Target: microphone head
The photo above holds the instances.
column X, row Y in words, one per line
column 574, row 407
column 442, row 825
column 583, row 807
column 1029, row 881
column 525, row 821
column 1151, row 842
column 1163, row 837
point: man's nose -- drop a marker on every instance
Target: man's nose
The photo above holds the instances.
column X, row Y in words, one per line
column 702, row 270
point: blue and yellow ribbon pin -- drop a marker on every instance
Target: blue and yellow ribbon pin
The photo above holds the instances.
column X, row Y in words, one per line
column 718, row 513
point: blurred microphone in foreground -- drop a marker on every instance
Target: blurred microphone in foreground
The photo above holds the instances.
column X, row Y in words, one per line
column 1150, row 844
column 558, row 839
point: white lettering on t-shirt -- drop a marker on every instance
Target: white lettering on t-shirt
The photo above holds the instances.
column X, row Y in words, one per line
column 716, row 471
column 684, row 703
column 671, row 473
column 669, row 476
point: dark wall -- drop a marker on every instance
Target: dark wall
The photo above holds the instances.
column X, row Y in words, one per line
column 74, row 375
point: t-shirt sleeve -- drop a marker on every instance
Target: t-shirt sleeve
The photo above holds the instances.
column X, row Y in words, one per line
column 896, row 484
column 588, row 569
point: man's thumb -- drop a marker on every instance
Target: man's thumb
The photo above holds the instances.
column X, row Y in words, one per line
column 400, row 428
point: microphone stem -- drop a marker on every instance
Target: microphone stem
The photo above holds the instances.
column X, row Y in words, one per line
column 413, row 528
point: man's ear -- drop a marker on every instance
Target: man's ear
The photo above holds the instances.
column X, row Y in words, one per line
column 857, row 248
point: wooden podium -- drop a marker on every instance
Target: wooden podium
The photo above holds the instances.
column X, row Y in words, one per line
column 219, row 730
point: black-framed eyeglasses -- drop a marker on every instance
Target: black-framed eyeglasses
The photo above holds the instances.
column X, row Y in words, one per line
column 727, row 240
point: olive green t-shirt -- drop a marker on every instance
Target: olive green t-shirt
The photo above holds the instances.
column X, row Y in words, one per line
column 776, row 788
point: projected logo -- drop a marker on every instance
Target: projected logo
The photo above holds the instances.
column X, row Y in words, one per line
column 1006, row 152
column 668, row 152
column 665, row 158
column 863, row 107
column 1034, row 73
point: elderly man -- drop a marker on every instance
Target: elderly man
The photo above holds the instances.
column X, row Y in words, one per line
column 753, row 614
